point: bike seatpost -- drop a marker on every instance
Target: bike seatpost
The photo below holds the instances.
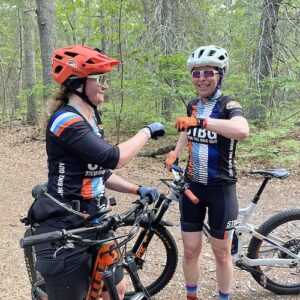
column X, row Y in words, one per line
column 260, row 190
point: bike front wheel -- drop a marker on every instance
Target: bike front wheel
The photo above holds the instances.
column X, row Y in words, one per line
column 38, row 287
column 157, row 264
column 283, row 229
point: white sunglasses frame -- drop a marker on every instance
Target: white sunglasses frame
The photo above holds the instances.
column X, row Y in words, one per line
column 98, row 78
column 202, row 73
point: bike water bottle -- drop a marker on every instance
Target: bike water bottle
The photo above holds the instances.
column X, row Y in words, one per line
column 234, row 245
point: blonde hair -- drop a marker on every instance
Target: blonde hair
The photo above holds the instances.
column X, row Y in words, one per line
column 58, row 99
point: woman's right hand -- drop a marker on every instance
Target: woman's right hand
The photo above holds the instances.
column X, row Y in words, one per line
column 171, row 159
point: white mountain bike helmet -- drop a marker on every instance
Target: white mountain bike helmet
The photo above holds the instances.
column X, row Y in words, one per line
column 209, row 56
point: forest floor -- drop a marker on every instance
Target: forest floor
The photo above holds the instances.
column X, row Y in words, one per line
column 23, row 164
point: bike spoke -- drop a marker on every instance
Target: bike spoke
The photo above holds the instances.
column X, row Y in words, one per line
column 287, row 236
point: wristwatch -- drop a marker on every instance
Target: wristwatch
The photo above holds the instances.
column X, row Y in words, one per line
column 202, row 122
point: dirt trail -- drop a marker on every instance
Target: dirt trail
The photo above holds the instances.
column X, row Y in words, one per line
column 23, row 164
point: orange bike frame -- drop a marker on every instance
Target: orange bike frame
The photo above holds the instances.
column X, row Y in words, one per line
column 107, row 255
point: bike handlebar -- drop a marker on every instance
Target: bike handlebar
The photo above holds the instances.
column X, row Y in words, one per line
column 110, row 223
column 180, row 185
column 41, row 238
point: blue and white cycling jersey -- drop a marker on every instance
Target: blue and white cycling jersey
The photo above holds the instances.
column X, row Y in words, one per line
column 211, row 155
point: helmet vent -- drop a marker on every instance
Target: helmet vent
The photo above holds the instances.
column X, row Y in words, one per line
column 200, row 53
column 222, row 57
column 89, row 61
column 211, row 52
column 58, row 69
column 72, row 54
column 58, row 57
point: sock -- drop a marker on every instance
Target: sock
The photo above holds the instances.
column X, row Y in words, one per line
column 191, row 290
column 223, row 296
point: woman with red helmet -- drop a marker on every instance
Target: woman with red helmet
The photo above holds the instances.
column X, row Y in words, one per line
column 79, row 164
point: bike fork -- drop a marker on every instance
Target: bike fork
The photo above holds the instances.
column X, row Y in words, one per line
column 109, row 280
column 135, row 279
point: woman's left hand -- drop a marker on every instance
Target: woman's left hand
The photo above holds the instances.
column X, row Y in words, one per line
column 151, row 192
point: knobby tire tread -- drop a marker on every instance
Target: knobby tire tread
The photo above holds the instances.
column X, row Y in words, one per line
column 172, row 259
column 255, row 244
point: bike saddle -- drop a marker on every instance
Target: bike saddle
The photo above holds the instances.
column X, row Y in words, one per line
column 277, row 173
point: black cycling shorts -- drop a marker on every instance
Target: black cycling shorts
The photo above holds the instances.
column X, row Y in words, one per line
column 219, row 201
column 67, row 275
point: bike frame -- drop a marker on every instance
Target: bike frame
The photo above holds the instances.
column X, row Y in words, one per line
column 108, row 259
column 243, row 227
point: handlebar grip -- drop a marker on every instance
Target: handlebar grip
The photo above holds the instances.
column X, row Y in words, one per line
column 191, row 196
column 41, row 238
column 145, row 200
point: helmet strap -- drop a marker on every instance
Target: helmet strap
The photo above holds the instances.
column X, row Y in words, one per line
column 85, row 98
column 218, row 86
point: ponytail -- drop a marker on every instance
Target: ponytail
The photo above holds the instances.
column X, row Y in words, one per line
column 59, row 99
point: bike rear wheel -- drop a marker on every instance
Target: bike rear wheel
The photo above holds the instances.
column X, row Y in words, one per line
column 157, row 265
column 280, row 279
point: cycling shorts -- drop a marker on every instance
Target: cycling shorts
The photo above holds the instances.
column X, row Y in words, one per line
column 66, row 275
column 219, row 201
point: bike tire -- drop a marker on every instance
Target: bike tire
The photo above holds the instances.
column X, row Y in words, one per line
column 38, row 289
column 286, row 226
column 164, row 246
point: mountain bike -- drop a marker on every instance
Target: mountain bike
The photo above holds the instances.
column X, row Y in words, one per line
column 273, row 255
column 155, row 253
column 153, row 250
column 110, row 251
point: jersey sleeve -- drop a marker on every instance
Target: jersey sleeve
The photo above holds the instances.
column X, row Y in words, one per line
column 232, row 108
column 71, row 131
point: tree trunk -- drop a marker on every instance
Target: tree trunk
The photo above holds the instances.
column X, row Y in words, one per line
column 266, row 46
column 46, row 22
column 17, row 103
column 169, row 21
column 29, row 76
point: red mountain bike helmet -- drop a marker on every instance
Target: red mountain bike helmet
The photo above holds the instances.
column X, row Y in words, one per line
column 79, row 61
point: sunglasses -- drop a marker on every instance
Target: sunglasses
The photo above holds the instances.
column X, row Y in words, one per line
column 206, row 74
column 100, row 78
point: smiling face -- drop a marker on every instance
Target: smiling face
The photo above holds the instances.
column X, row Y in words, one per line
column 205, row 86
column 95, row 91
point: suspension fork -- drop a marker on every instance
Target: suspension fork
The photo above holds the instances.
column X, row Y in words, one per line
column 132, row 270
column 146, row 235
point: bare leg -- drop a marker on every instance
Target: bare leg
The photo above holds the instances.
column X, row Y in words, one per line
column 224, row 268
column 192, row 244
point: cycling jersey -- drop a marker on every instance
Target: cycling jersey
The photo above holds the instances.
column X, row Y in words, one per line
column 211, row 155
column 78, row 157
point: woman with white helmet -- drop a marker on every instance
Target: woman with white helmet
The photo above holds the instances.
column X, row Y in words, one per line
column 213, row 125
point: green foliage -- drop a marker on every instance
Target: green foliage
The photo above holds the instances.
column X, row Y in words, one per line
column 272, row 147
column 154, row 46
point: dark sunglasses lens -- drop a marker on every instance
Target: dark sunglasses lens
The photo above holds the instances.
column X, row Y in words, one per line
column 196, row 74
column 208, row 74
